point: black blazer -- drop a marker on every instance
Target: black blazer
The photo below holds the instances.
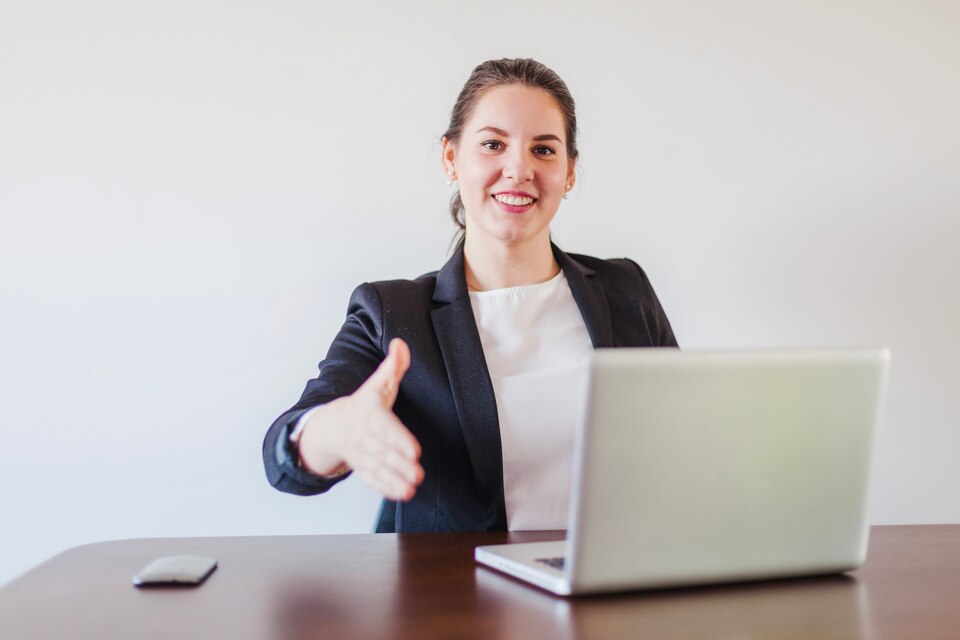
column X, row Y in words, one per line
column 446, row 397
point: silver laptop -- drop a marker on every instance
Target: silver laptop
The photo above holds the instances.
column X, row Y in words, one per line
column 701, row 467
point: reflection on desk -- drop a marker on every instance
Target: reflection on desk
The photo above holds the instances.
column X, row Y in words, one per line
column 831, row 606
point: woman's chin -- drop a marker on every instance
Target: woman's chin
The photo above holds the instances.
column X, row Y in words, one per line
column 513, row 231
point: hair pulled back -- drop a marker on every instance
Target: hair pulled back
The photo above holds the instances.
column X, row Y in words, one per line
column 509, row 71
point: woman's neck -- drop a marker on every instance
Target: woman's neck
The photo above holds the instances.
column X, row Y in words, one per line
column 495, row 265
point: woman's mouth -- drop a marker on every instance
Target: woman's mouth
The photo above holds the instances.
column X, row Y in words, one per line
column 514, row 203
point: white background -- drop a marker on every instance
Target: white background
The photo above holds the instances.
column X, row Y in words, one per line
column 190, row 191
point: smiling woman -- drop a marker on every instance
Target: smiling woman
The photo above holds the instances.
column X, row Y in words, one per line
column 513, row 166
column 454, row 395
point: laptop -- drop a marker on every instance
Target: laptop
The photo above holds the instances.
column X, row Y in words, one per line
column 714, row 466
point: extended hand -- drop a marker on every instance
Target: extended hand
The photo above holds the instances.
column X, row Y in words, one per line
column 361, row 432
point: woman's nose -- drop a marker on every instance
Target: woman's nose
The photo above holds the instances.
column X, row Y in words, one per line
column 518, row 167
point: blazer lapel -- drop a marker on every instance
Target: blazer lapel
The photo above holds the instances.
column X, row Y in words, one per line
column 459, row 341
column 589, row 296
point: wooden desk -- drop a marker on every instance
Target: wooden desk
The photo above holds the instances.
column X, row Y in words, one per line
column 427, row 586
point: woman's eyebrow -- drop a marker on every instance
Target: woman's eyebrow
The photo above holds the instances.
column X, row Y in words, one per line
column 501, row 132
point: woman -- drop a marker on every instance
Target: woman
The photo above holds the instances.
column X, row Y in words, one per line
column 454, row 395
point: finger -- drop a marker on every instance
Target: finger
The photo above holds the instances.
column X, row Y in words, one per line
column 390, row 368
column 409, row 470
column 394, row 467
column 384, row 382
column 389, row 432
column 388, row 483
column 381, row 432
column 388, row 444
column 387, row 429
column 376, row 453
column 398, row 354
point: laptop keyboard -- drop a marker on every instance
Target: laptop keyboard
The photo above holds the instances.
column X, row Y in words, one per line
column 556, row 563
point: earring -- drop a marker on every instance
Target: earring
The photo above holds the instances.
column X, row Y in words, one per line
column 567, row 191
column 450, row 179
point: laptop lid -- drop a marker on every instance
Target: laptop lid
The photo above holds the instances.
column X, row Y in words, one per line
column 697, row 467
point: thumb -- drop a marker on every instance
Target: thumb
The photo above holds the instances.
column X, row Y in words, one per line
column 385, row 381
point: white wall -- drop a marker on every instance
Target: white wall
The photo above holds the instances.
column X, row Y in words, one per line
column 190, row 190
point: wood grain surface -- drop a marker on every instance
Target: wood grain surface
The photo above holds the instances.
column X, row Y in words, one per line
column 428, row 586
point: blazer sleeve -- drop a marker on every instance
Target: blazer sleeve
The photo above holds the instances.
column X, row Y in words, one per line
column 656, row 317
column 355, row 353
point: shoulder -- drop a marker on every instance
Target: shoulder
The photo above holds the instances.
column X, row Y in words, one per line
column 388, row 295
column 629, row 296
column 421, row 286
column 612, row 270
column 625, row 283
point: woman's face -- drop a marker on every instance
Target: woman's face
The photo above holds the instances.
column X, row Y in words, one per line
column 512, row 165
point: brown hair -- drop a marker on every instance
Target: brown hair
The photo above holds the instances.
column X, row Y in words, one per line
column 507, row 71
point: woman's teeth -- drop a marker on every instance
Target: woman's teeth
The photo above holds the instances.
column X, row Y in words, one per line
column 514, row 201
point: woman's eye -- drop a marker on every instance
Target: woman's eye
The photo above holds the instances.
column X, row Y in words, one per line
column 492, row 145
column 544, row 151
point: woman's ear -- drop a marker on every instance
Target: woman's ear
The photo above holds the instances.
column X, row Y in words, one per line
column 448, row 154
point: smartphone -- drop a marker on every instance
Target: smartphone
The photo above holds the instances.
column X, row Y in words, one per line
column 175, row 570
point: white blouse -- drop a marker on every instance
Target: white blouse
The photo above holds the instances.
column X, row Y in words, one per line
column 537, row 349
